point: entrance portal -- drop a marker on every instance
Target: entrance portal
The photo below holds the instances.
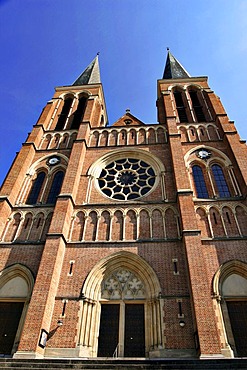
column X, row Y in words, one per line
column 123, row 333
column 121, row 314
column 237, row 312
column 10, row 314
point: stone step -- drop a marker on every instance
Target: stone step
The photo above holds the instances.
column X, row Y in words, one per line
column 124, row 364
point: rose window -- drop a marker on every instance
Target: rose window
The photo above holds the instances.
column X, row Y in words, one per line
column 126, row 179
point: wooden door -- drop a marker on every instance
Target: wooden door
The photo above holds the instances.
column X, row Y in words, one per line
column 109, row 330
column 237, row 311
column 134, row 338
column 10, row 314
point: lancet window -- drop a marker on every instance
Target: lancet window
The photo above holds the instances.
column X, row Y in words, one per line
column 220, row 181
column 55, row 187
column 78, row 114
column 64, row 114
column 197, row 107
column 36, row 188
column 201, row 188
column 180, row 105
column 44, row 190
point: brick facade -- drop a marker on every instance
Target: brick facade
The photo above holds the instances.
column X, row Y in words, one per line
column 128, row 216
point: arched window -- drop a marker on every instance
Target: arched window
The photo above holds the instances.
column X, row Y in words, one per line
column 220, row 181
column 199, row 181
column 181, row 109
column 64, row 114
column 78, row 115
column 55, row 187
column 200, row 117
column 36, row 188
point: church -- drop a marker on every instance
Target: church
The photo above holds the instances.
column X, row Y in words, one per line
column 128, row 240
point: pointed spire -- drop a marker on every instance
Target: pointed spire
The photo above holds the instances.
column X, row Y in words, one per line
column 91, row 75
column 173, row 68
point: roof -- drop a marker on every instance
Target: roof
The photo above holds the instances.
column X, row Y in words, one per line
column 91, row 75
column 173, row 69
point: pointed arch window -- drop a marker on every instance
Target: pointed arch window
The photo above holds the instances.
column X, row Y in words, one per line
column 64, row 114
column 199, row 181
column 200, row 117
column 220, row 181
column 181, row 109
column 36, row 188
column 78, row 115
column 55, row 187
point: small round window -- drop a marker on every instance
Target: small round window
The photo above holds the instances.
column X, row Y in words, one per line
column 126, row 179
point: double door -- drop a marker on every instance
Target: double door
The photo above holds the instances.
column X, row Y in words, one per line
column 122, row 330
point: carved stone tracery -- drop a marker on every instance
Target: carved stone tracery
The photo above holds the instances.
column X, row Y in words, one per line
column 122, row 284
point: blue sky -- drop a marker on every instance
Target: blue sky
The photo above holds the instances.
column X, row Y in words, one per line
column 48, row 43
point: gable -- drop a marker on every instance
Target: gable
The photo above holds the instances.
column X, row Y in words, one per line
column 128, row 120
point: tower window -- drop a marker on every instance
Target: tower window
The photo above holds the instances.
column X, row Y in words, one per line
column 180, row 106
column 64, row 114
column 197, row 107
column 78, row 115
column 220, row 181
column 36, row 188
column 55, row 187
column 199, row 181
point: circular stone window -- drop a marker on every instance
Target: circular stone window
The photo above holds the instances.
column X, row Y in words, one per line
column 126, row 179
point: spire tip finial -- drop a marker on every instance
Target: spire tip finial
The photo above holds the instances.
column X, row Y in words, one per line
column 167, row 48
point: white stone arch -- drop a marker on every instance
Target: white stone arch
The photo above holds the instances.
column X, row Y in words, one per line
column 16, row 285
column 91, row 287
column 193, row 86
column 241, row 223
column 176, row 86
column 217, row 157
column 157, row 208
column 95, row 168
column 41, row 165
column 174, row 209
column 229, row 284
column 91, row 300
column 203, row 207
column 149, row 210
column 88, row 211
column 218, row 154
column 12, row 272
column 126, row 210
column 95, row 134
column 67, row 94
column 35, row 165
column 83, row 93
column 8, row 224
column 224, row 271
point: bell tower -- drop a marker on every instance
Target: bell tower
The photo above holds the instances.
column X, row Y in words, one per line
column 47, row 167
column 210, row 177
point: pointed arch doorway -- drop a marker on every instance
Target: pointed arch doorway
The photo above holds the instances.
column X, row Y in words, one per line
column 16, row 284
column 230, row 291
column 121, row 313
column 122, row 319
